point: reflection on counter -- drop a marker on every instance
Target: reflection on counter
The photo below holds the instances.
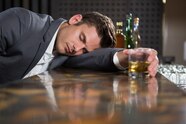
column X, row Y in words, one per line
column 78, row 101
column 129, row 96
column 76, row 97
column 137, row 95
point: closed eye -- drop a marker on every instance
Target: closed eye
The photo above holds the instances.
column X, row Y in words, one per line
column 85, row 50
column 82, row 37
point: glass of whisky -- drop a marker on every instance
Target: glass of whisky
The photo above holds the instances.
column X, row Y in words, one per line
column 138, row 64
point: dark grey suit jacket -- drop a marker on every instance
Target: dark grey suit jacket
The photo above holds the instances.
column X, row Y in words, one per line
column 24, row 37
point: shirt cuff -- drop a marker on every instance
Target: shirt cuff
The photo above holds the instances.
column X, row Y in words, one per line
column 116, row 62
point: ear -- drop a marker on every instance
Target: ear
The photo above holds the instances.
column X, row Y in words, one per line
column 75, row 19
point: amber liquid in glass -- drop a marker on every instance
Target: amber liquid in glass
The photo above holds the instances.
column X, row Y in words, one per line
column 138, row 67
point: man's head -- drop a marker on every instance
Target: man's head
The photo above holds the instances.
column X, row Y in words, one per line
column 85, row 33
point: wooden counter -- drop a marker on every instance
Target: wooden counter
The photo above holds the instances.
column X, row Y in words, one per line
column 66, row 96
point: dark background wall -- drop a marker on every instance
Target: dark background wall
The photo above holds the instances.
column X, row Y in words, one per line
column 149, row 11
column 41, row 6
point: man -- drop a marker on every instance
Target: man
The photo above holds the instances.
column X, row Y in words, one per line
column 31, row 43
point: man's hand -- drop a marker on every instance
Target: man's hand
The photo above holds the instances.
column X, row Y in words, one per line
column 152, row 59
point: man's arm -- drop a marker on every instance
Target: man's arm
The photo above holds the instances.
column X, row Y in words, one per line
column 100, row 59
column 103, row 59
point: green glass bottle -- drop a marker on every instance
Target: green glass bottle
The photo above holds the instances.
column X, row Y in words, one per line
column 129, row 44
column 136, row 34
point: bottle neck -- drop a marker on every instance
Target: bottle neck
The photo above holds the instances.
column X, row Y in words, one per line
column 128, row 32
column 136, row 24
column 129, row 25
column 136, row 35
column 136, row 27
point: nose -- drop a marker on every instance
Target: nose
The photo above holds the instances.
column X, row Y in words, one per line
column 79, row 48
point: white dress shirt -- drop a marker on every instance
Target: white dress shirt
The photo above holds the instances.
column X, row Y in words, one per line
column 45, row 60
column 116, row 62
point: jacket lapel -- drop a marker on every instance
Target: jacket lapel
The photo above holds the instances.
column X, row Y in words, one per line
column 45, row 42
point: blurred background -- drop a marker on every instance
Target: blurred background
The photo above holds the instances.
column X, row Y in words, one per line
column 162, row 22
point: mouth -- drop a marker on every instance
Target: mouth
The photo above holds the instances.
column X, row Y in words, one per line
column 69, row 49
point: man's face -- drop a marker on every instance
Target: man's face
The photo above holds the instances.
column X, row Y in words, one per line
column 75, row 40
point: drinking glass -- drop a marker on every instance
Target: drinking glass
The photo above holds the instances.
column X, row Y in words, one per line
column 138, row 64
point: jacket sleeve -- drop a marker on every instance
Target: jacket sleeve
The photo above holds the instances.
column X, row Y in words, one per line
column 100, row 60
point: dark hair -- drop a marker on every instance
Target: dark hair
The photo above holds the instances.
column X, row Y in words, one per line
column 104, row 26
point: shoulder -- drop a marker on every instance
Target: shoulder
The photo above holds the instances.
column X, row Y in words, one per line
column 16, row 10
column 15, row 14
column 25, row 13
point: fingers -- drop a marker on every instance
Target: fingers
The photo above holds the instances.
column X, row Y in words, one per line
column 153, row 60
column 152, row 54
column 153, row 67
